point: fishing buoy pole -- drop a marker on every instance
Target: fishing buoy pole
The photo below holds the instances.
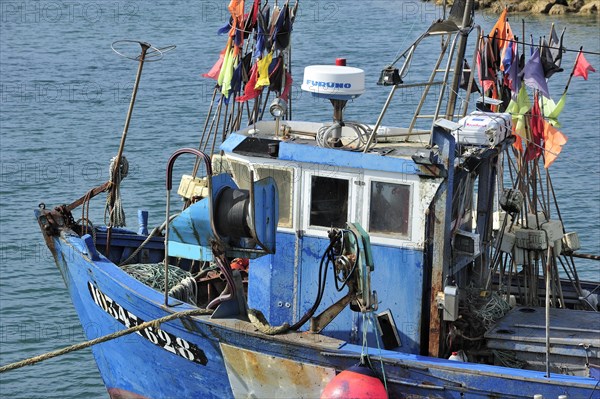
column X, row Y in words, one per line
column 117, row 164
column 155, row 54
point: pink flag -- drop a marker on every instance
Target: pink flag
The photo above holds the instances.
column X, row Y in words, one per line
column 216, row 69
column 582, row 66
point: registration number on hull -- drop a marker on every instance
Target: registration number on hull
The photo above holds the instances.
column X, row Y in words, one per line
column 157, row 336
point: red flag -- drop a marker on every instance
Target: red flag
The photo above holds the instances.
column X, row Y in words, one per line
column 553, row 142
column 288, row 86
column 582, row 66
column 249, row 91
column 536, row 127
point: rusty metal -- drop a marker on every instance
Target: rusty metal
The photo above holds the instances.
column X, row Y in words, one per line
column 318, row 323
column 259, row 375
column 55, row 220
column 89, row 195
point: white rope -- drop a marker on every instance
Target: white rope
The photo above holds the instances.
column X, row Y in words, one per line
column 360, row 130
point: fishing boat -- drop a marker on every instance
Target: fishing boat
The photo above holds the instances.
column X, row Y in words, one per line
column 340, row 258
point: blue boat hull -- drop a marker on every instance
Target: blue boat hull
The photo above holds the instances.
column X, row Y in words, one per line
column 208, row 358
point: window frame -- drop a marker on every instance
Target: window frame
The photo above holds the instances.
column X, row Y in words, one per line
column 320, row 231
column 390, row 238
column 253, row 163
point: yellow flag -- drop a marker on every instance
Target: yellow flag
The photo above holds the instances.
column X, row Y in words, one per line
column 518, row 109
column 226, row 60
column 552, row 110
column 263, row 71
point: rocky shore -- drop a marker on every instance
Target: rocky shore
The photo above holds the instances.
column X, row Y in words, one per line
column 550, row 7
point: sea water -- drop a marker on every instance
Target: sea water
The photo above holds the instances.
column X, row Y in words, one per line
column 63, row 100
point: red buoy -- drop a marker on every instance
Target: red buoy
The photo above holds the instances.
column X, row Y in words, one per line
column 357, row 382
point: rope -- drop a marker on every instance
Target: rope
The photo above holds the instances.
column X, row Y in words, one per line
column 360, row 130
column 186, row 290
column 116, row 214
column 259, row 321
column 143, row 244
column 82, row 345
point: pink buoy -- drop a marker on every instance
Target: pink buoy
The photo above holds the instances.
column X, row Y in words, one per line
column 357, row 382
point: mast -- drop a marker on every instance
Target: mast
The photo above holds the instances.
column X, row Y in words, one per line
column 462, row 46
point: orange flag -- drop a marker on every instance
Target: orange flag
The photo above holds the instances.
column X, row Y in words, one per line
column 582, row 66
column 553, row 142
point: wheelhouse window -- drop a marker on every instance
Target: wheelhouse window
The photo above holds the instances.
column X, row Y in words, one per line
column 328, row 202
column 284, row 181
column 390, row 208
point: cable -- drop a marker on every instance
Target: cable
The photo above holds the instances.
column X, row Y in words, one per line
column 329, row 256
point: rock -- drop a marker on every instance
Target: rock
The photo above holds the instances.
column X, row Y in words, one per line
column 542, row 6
column 522, row 7
column 590, row 8
column 576, row 5
column 558, row 9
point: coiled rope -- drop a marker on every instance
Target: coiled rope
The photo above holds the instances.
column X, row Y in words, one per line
column 116, row 215
column 82, row 345
column 358, row 143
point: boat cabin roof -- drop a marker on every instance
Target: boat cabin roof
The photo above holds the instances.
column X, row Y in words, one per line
column 392, row 152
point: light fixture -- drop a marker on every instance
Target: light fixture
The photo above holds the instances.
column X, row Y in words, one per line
column 278, row 108
column 389, row 77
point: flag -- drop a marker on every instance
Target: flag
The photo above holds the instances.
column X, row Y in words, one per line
column 553, row 143
column 228, row 70
column 250, row 92
column 508, row 57
column 236, row 79
column 518, row 108
column 288, row 86
column 236, row 8
column 464, row 80
column 551, row 110
column 548, row 64
column 513, row 77
column 226, row 28
column 508, row 44
column 226, row 60
column 487, row 73
column 216, row 69
column 582, row 66
column 263, row 70
column 274, row 19
column 556, row 46
column 276, row 74
column 283, row 29
column 262, row 34
column 536, row 128
column 498, row 36
column 533, row 74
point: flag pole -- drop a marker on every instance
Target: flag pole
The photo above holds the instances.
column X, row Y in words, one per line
column 573, row 70
column 524, row 37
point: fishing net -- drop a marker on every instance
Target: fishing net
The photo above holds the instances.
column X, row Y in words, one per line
column 182, row 285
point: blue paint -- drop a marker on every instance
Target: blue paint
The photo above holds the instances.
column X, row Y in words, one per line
column 345, row 159
column 147, row 369
column 142, row 222
column 311, row 154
